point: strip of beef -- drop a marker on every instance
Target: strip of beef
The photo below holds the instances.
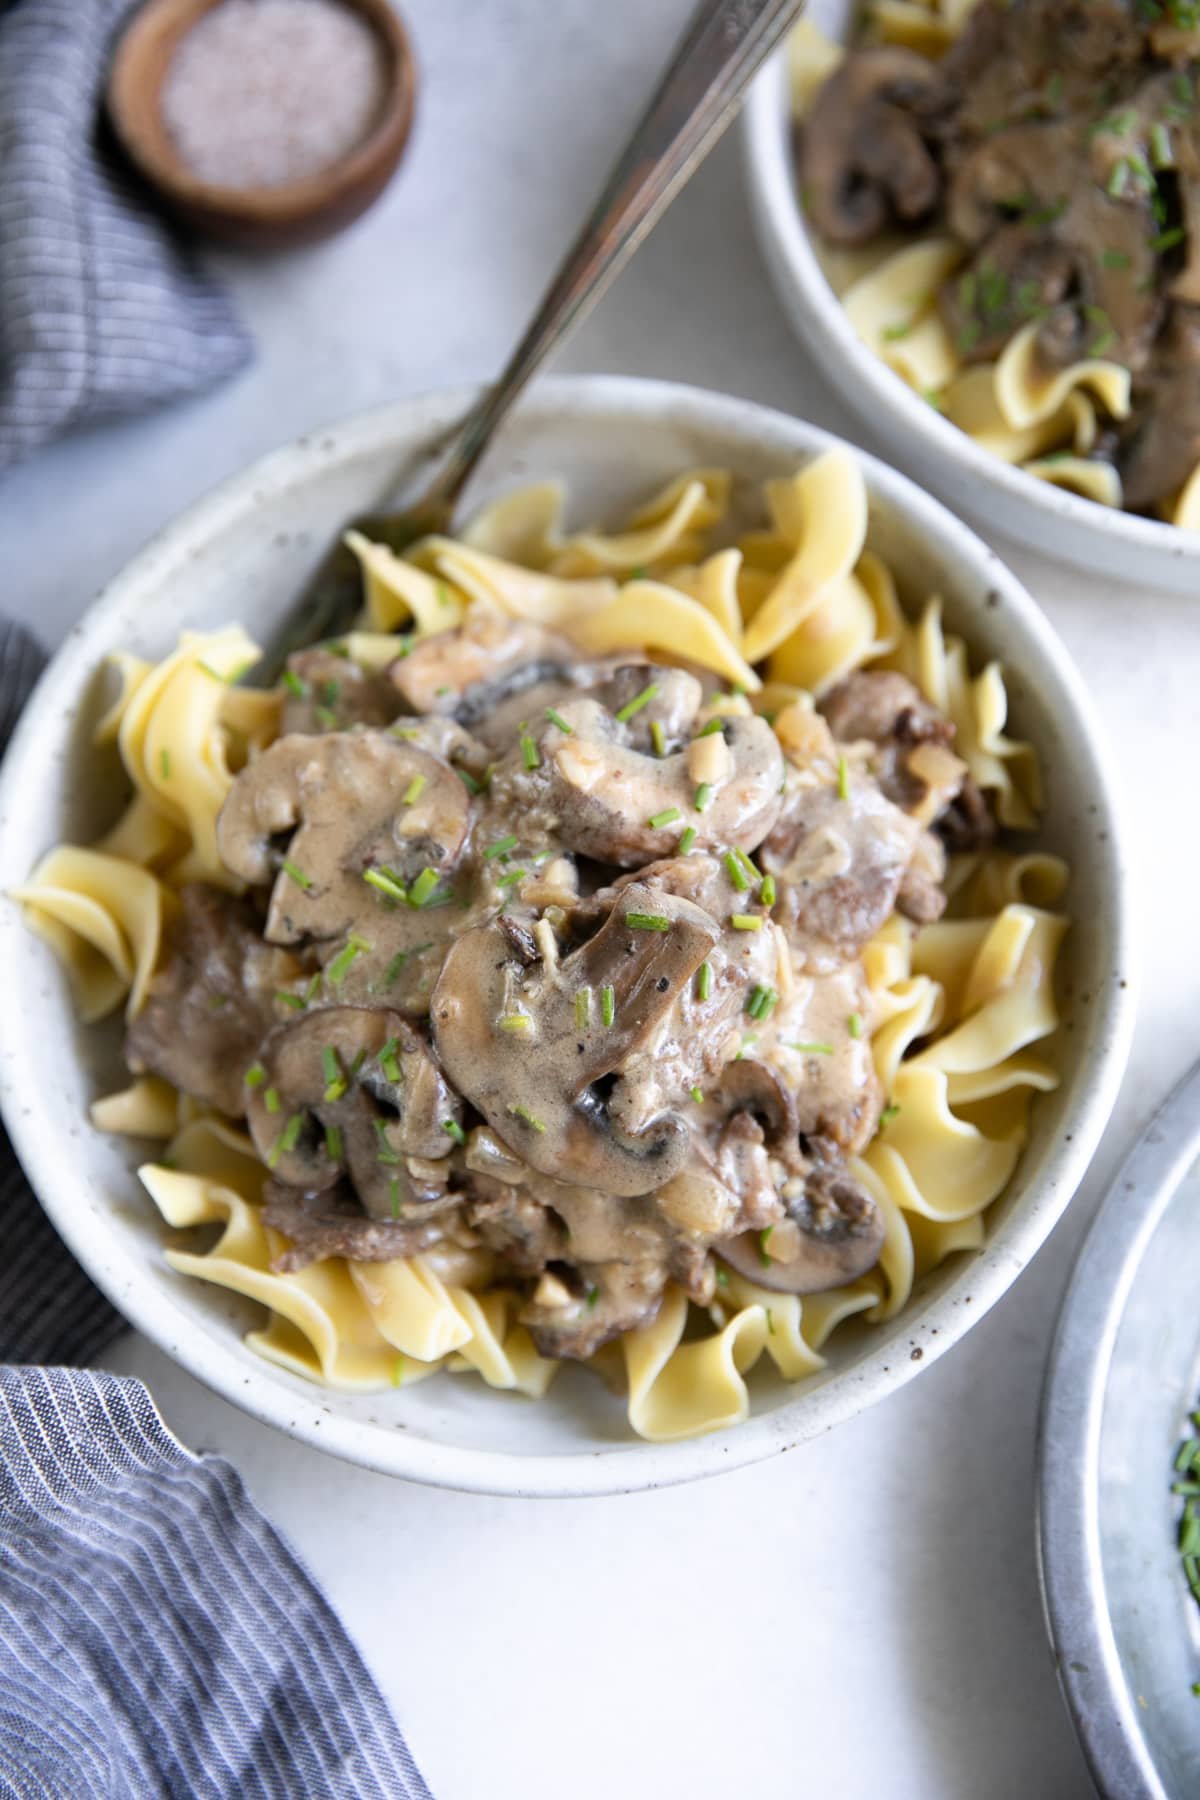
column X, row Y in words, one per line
column 213, row 1000
column 320, row 1226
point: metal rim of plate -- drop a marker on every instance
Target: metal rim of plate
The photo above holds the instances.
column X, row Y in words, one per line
column 1084, row 1616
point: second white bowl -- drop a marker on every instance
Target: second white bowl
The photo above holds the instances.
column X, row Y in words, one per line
column 1115, row 544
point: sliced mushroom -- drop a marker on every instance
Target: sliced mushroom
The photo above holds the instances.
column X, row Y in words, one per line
column 613, row 802
column 575, row 1311
column 865, row 152
column 331, row 1222
column 470, row 670
column 841, row 855
column 327, row 692
column 213, row 1000
column 318, row 815
column 832, row 1234
column 547, row 1087
column 676, row 696
column 351, row 1092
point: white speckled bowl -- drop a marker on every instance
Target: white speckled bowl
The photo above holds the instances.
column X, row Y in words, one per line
column 241, row 554
column 925, row 445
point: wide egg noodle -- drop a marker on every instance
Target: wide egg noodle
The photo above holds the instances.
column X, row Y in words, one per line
column 893, row 309
column 678, row 1389
column 821, row 512
column 96, row 910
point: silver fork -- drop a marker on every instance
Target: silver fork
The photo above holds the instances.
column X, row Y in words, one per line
column 697, row 97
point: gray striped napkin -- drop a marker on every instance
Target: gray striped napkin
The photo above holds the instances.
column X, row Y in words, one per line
column 158, row 1638
column 100, row 310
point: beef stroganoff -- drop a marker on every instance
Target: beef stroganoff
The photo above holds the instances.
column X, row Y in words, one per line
column 618, row 950
column 1005, row 195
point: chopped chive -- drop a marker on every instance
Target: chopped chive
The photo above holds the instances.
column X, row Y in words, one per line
column 1186, row 1452
column 856, row 1025
column 593, row 1294
column 330, row 1066
column 722, row 1278
column 385, row 1153
column 444, row 596
column 710, row 730
column 326, row 719
column 698, row 1096
column 556, row 718
column 414, row 790
column 812, row 1049
column 583, row 1007
column 667, row 817
column 405, row 733
column 386, row 884
column 514, row 1022
column 747, row 865
column 287, row 1140
column 255, row 1075
column 640, row 921
column 164, row 764
column 702, row 797
column 523, row 1112
column 1118, row 181
column 512, row 878
column 658, row 737
column 1116, row 259
column 704, row 981
column 339, row 968
column 271, row 1100
column 1167, row 240
column 843, row 788
column 333, row 1143
column 737, row 874
column 294, row 685
column 468, row 781
column 762, row 1002
column 394, row 1202
column 501, row 847
column 686, row 840
column 893, row 333
column 1161, row 154
column 764, row 1238
column 634, row 706
column 295, row 1001
column 297, row 875
column 529, row 752
column 745, row 922
column 608, row 1005
column 888, row 1114
column 454, row 1130
column 421, row 891
column 766, row 893
column 394, row 967
column 386, row 1058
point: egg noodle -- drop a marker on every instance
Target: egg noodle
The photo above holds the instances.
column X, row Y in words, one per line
column 781, row 613
column 1043, row 421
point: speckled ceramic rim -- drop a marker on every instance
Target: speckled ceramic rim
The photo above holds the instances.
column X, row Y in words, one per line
column 1097, row 538
column 930, row 1328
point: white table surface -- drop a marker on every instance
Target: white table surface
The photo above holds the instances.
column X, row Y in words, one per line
column 860, row 1617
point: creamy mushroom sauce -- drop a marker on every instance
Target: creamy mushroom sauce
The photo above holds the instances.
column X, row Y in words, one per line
column 1058, row 141
column 551, row 970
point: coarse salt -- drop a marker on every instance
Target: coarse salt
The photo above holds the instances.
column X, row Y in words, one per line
column 263, row 93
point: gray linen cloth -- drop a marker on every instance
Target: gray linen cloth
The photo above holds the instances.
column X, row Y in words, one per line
column 101, row 311
column 158, row 1638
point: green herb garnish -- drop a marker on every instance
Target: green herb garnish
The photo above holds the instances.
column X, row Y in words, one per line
column 856, row 1025
column 339, row 968
column 640, row 921
column 766, row 893
column 686, row 839
column 704, row 981
column 523, row 1112
column 294, row 685
column 454, row 1130
column 702, row 797
column 556, row 718
column 422, row 890
column 297, row 875
column 501, row 847
column 634, row 706
column 667, row 817
column 255, row 1075
column 583, row 1008
column 658, row 737
column 764, row 1238
column 514, row 1022
column 843, row 785
column 414, row 790
column 737, row 874
column 387, row 884
column 608, row 1005
column 529, row 752
column 333, row 1143
column 385, row 1153
column 813, row 1049
column 745, row 922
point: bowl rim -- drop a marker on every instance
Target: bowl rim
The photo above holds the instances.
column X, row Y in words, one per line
column 790, row 256
column 413, row 425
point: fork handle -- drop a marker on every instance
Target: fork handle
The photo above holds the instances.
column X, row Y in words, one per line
column 697, row 97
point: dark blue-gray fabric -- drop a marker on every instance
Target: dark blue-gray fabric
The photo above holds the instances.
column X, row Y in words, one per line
column 158, row 1638
column 101, row 310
